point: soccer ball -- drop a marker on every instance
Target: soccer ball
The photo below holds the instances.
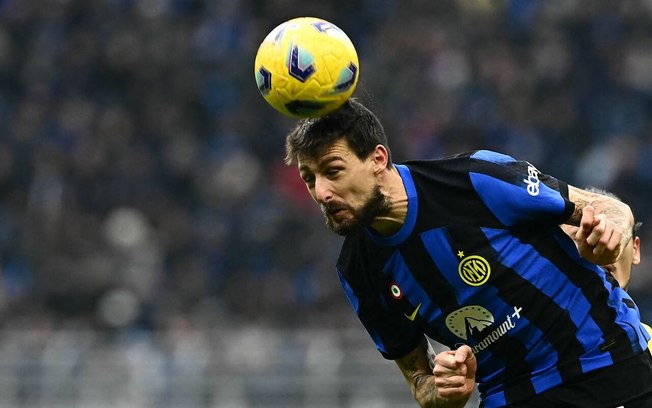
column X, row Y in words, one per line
column 306, row 67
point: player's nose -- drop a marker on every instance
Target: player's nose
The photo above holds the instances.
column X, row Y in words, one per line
column 323, row 190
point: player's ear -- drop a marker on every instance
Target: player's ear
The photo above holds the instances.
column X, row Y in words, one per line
column 637, row 251
column 380, row 158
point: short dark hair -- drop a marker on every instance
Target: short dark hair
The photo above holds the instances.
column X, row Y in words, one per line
column 352, row 121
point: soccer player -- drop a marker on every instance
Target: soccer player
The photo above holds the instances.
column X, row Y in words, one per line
column 621, row 270
column 467, row 251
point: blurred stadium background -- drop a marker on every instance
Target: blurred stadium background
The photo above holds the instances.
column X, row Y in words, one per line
column 155, row 251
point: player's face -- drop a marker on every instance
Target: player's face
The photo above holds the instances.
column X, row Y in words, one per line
column 622, row 268
column 344, row 186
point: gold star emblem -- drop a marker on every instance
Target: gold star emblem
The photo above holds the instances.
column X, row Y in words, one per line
column 460, row 254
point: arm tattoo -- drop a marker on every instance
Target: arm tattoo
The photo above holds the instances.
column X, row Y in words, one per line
column 427, row 391
column 577, row 213
column 409, row 367
column 613, row 208
column 415, row 370
column 608, row 207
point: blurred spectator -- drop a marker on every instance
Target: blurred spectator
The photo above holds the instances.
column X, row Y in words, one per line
column 141, row 175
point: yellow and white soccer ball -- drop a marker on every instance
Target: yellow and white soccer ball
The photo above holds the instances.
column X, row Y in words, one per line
column 306, row 67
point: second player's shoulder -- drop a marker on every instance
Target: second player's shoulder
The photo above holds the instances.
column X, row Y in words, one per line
column 648, row 329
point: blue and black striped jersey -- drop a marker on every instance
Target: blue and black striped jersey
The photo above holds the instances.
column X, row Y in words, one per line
column 480, row 260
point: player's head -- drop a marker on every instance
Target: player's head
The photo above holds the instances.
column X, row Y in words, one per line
column 621, row 270
column 352, row 122
column 631, row 255
column 342, row 158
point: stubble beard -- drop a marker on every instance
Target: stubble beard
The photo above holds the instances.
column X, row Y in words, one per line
column 377, row 205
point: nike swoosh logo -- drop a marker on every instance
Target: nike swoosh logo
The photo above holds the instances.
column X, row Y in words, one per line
column 414, row 314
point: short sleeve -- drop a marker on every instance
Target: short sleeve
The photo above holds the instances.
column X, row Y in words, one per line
column 516, row 192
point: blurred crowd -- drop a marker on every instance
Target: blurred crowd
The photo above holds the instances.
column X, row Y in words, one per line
column 142, row 182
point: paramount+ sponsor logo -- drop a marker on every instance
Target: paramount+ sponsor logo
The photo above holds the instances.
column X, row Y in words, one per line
column 477, row 325
column 494, row 335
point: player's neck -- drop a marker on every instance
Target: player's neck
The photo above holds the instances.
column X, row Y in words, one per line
column 391, row 222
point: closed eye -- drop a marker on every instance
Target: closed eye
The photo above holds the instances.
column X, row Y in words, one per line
column 333, row 172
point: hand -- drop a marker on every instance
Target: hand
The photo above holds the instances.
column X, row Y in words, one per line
column 454, row 373
column 598, row 238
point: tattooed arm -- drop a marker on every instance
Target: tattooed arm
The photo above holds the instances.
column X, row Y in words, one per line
column 442, row 381
column 605, row 225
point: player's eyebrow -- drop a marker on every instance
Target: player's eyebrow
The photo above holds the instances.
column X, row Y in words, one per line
column 322, row 163
column 330, row 159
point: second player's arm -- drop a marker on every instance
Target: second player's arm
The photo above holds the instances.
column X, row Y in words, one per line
column 617, row 214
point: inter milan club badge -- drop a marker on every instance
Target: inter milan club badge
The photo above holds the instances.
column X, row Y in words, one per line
column 474, row 269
